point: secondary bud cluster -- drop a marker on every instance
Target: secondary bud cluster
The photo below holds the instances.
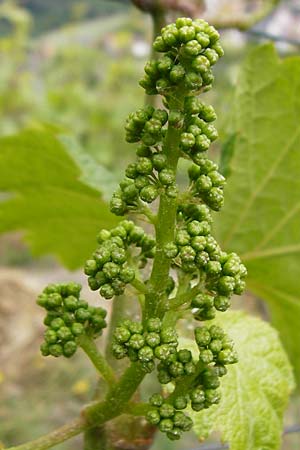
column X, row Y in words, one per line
column 190, row 49
column 207, row 183
column 176, row 365
column 68, row 317
column 108, row 269
column 168, row 417
column 144, row 344
column 198, row 131
column 146, row 125
column 200, row 390
column 149, row 175
column 215, row 346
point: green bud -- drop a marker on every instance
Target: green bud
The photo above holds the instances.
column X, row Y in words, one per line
column 201, row 64
column 186, row 33
column 187, row 141
column 127, row 274
column 145, row 354
column 163, row 351
column 44, row 348
column 159, row 161
column 77, row 329
column 57, row 323
column 197, row 395
column 153, row 417
column 166, row 410
column 202, row 143
column 203, row 40
column 176, row 369
column 182, row 237
column 56, row 350
column 202, row 336
column 221, row 303
column 187, row 254
column 50, row 337
column 107, row 291
column 136, row 341
column 177, row 73
column 165, row 64
column 181, row 402
column 64, row 334
column 118, row 351
column 154, row 325
column 175, row 434
column 165, row 425
column 212, row 396
column 54, row 301
column 111, row 270
column 168, row 335
column 148, row 193
column 69, row 349
column 216, row 332
column 152, row 339
column 122, row 335
column 166, row 176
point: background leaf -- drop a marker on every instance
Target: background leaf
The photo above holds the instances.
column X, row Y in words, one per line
column 42, row 195
column 260, row 220
column 255, row 391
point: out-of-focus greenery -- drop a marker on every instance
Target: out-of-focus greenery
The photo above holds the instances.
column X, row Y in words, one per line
column 55, row 13
column 83, row 82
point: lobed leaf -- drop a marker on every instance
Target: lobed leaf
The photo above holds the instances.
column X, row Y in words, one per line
column 43, row 196
column 261, row 216
column 255, row 391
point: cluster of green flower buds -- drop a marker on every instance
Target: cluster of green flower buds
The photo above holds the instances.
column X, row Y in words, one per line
column 198, row 132
column 176, row 365
column 207, row 183
column 220, row 286
column 168, row 417
column 107, row 268
column 201, row 389
column 146, row 125
column 144, row 344
column 149, row 175
column 190, row 49
column 68, row 317
column 215, row 346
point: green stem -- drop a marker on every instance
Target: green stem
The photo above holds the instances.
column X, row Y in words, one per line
column 62, row 434
column 118, row 397
column 89, row 347
column 165, row 226
column 139, row 286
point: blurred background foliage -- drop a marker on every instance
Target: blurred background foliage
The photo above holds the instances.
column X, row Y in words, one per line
column 75, row 64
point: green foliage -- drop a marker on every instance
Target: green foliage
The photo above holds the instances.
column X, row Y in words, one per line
column 43, row 197
column 261, row 216
column 54, row 14
column 254, row 392
column 42, row 179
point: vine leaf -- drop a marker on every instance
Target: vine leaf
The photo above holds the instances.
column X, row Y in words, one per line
column 255, row 391
column 260, row 220
column 41, row 194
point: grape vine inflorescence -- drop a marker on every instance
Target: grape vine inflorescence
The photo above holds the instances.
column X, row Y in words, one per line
column 207, row 277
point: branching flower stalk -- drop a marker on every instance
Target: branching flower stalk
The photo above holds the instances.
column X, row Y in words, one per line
column 189, row 271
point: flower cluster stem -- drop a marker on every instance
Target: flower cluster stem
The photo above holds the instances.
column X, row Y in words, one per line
column 165, row 227
column 89, row 347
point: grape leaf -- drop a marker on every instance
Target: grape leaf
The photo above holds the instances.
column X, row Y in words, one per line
column 255, row 391
column 261, row 216
column 41, row 195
